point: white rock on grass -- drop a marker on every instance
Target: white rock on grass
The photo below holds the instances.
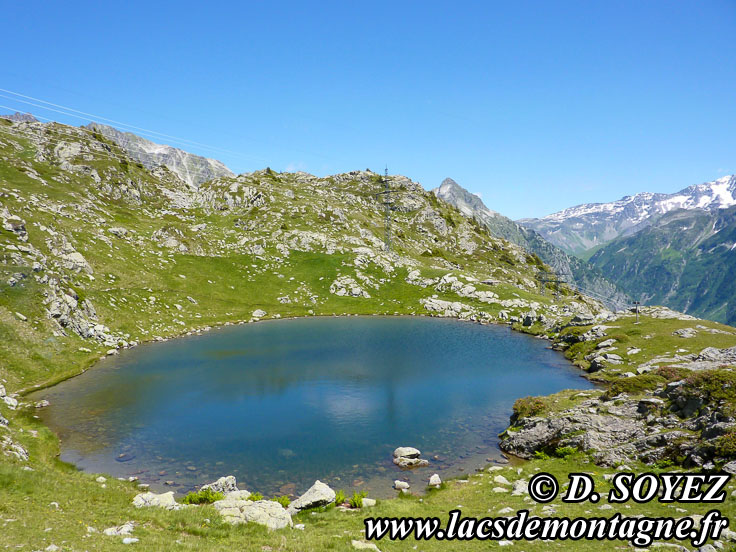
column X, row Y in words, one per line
column 501, row 480
column 435, row 481
column 318, row 494
column 263, row 512
column 259, row 313
column 519, row 487
column 149, row 499
column 124, row 529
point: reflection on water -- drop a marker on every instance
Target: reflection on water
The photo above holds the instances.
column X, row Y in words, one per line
column 280, row 404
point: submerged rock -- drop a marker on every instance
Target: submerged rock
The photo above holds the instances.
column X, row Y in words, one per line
column 408, row 457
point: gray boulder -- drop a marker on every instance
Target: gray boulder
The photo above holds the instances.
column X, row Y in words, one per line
column 318, row 494
column 223, row 485
column 149, row 499
column 263, row 512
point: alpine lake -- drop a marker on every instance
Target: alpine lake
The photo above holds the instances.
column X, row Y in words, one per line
column 282, row 403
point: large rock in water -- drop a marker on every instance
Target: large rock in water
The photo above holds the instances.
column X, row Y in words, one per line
column 164, row 500
column 263, row 512
column 408, row 457
column 223, row 485
column 318, row 494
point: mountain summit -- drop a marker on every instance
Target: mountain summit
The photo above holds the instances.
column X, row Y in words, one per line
column 575, row 271
column 583, row 227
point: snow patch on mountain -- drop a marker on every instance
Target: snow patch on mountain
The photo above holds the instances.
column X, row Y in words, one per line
column 582, row 227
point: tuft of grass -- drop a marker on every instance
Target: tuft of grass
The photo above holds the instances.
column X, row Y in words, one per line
column 340, row 497
column 634, row 386
column 255, row 497
column 528, row 406
column 564, row 452
column 726, row 445
column 356, row 501
column 204, row 496
column 283, row 500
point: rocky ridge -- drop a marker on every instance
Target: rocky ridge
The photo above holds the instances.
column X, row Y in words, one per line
column 573, row 270
column 192, row 169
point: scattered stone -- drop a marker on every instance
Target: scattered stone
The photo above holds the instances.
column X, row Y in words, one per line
column 435, row 481
column 520, row 487
column 259, row 313
column 124, row 529
column 401, row 485
column 685, row 332
column 501, row 480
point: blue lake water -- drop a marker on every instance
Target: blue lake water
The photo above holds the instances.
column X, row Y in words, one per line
column 279, row 404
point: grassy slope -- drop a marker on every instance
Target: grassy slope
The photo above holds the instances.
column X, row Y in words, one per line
column 228, row 281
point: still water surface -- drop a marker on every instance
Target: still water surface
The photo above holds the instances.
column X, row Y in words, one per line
column 282, row 403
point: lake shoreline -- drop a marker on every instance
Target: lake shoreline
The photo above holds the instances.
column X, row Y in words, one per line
column 493, row 451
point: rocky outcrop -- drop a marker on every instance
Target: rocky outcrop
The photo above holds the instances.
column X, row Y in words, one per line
column 345, row 286
column 192, row 169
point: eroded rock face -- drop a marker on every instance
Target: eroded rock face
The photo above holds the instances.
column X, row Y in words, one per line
column 263, row 512
column 318, row 494
column 614, row 435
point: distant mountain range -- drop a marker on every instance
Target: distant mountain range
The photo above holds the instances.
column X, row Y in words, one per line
column 685, row 259
column 192, row 169
column 576, row 271
column 581, row 229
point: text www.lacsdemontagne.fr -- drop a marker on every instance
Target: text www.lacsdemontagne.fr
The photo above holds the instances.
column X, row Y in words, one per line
column 640, row 531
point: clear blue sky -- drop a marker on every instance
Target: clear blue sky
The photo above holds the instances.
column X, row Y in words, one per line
column 535, row 105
